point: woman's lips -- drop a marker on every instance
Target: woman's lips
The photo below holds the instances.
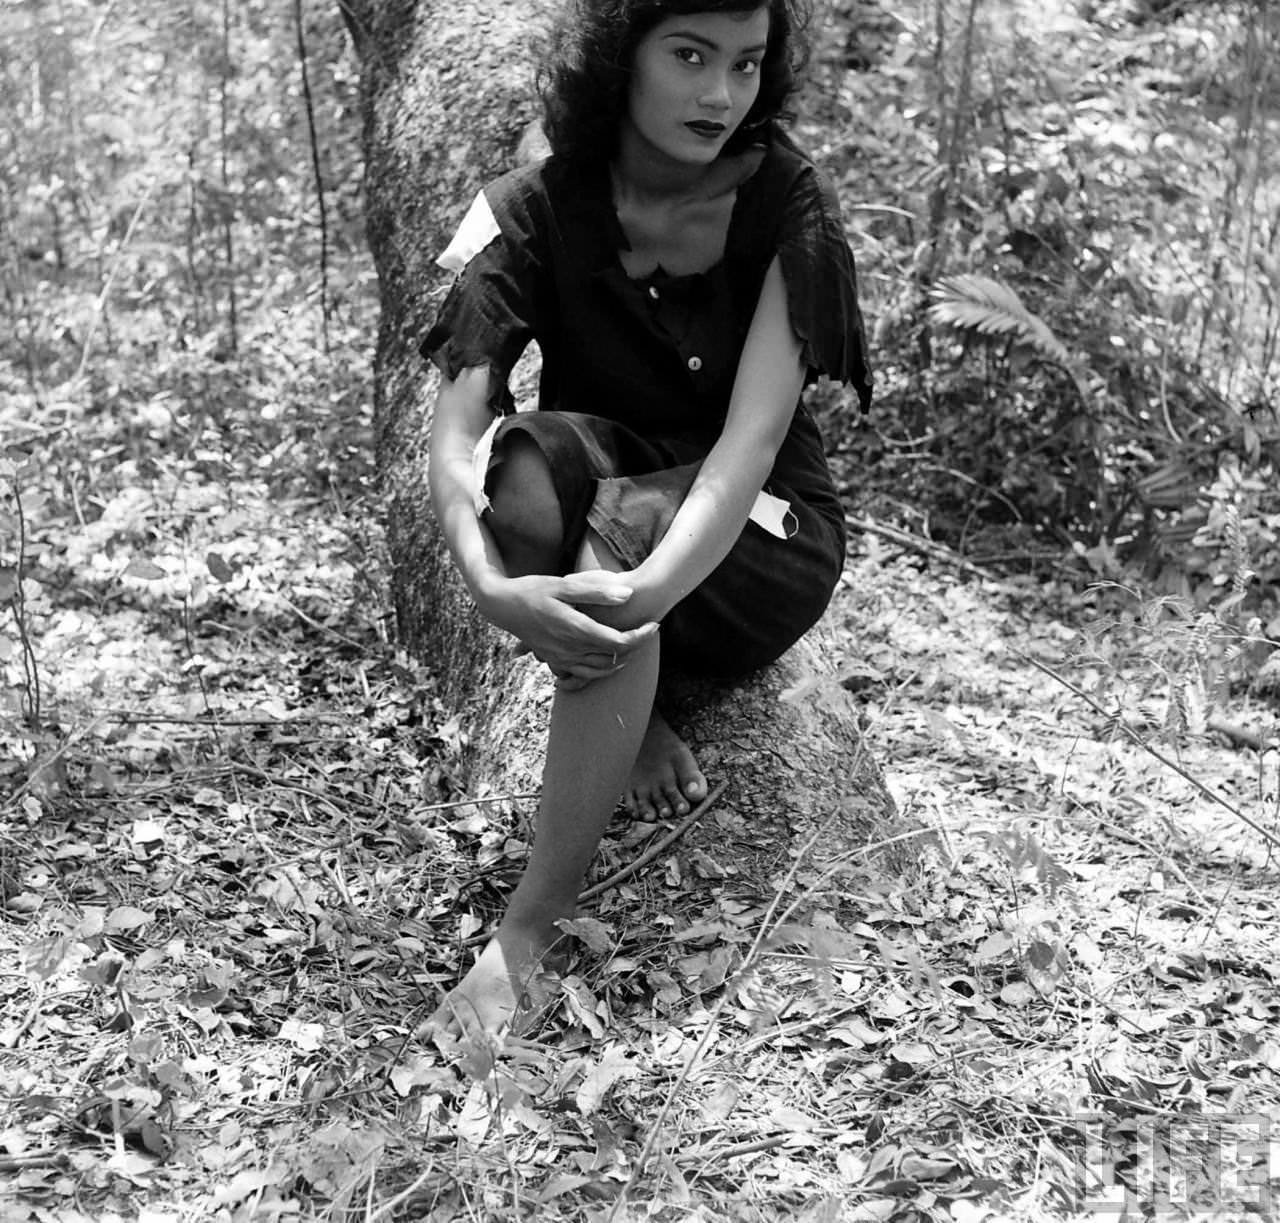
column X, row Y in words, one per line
column 706, row 128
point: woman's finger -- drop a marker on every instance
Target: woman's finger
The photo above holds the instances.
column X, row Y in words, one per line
column 574, row 676
column 596, row 587
column 596, row 638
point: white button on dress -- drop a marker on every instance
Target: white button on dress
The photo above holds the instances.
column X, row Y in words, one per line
column 695, row 364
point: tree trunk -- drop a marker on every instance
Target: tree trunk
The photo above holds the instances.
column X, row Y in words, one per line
column 448, row 95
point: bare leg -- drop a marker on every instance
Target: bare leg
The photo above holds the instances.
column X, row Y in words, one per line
column 597, row 733
column 595, row 737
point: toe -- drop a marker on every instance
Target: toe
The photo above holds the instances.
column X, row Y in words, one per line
column 674, row 798
column 642, row 806
column 695, row 788
column 442, row 1029
column 690, row 780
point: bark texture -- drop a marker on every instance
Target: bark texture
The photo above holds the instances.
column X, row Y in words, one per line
column 448, row 96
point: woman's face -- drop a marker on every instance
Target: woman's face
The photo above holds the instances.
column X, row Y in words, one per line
column 693, row 81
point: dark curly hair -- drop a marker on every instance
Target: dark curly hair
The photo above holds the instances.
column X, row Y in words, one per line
column 586, row 79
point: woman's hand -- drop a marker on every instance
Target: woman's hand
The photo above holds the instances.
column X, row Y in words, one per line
column 542, row 612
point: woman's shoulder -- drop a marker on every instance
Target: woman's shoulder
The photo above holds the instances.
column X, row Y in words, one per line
column 786, row 167
column 548, row 196
column 520, row 189
column 548, row 181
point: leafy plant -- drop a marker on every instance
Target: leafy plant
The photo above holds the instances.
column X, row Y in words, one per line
column 1117, row 322
column 983, row 310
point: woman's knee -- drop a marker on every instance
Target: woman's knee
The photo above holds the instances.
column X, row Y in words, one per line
column 524, row 512
column 595, row 553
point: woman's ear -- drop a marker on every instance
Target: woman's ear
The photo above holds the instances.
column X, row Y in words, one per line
column 533, row 145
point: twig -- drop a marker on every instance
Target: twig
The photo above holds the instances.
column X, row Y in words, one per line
column 751, row 1148
column 228, row 217
column 915, row 542
column 315, row 624
column 476, row 802
column 40, row 766
column 11, row 1038
column 1134, row 737
column 316, row 172
column 1240, row 737
column 713, row 1019
column 605, row 885
column 21, row 1163
column 133, row 717
column 404, row 1195
column 101, row 304
column 18, row 604
column 252, row 770
column 654, row 850
column 1099, row 822
column 789, row 1030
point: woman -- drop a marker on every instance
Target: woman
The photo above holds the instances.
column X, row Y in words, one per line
column 684, row 270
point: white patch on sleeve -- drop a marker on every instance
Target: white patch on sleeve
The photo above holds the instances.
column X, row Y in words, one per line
column 770, row 513
column 480, row 466
column 479, row 227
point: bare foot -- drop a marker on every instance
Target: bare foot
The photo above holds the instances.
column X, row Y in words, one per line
column 665, row 780
column 507, row 988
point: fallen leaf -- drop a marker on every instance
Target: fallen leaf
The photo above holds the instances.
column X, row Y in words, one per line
column 142, row 568
column 612, row 1066
column 422, row 1073
column 246, row 1184
column 101, row 779
column 306, row 1036
column 921, row 1168
column 993, row 947
column 1017, row 993
column 892, row 1004
column 147, row 832
column 591, row 931
column 46, row 956
column 127, row 917
column 561, row 1183
column 792, row 1119
column 874, row 1210
column 721, row 1103
column 1042, row 955
column 219, row 567
column 964, row 1211
column 472, row 1122
column 132, row 1166
column 913, row 1053
column 1086, row 950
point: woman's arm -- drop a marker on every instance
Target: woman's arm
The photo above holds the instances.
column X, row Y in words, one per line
column 540, row 610
column 768, row 383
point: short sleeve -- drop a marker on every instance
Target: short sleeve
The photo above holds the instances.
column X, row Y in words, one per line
column 822, row 286
column 490, row 312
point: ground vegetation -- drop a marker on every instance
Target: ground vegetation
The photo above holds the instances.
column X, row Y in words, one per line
column 238, row 856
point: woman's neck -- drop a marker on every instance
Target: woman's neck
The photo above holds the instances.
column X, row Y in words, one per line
column 645, row 176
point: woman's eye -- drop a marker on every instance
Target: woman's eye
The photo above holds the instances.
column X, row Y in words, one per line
column 749, row 67
column 690, row 55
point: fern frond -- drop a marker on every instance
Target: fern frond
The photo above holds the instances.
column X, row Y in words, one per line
column 982, row 308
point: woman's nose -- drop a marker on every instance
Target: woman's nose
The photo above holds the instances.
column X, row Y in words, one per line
column 716, row 96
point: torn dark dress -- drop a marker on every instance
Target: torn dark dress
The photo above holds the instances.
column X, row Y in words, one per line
column 637, row 376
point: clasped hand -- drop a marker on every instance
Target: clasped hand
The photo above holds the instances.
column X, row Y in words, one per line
column 543, row 613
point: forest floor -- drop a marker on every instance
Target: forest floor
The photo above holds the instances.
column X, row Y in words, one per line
column 230, row 891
